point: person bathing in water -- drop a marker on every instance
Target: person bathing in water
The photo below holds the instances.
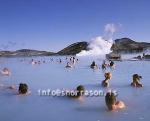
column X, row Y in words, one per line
column 111, row 64
column 6, row 72
column 136, row 81
column 60, row 61
column 93, row 65
column 68, row 65
column 79, row 92
column 33, row 62
column 112, row 103
column 108, row 76
column 104, row 65
column 74, row 61
column 22, row 90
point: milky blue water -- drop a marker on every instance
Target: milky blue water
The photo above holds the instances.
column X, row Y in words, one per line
column 53, row 75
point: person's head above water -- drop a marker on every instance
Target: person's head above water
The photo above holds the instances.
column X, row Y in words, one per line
column 111, row 63
column 23, row 88
column 6, row 72
column 80, row 90
column 108, row 75
column 68, row 65
column 110, row 100
column 136, row 80
column 93, row 63
column 136, row 76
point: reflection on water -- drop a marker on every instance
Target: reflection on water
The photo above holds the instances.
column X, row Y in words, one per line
column 54, row 75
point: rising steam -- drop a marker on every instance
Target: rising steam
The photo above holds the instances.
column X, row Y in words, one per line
column 97, row 46
column 101, row 45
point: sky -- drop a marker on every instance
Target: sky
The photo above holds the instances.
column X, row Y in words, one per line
column 54, row 24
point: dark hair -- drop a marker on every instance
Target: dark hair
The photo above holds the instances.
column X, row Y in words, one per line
column 80, row 90
column 111, row 63
column 136, row 76
column 23, row 88
column 93, row 63
column 103, row 66
column 110, row 100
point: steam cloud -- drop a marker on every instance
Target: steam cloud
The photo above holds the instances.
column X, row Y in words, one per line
column 101, row 45
column 110, row 28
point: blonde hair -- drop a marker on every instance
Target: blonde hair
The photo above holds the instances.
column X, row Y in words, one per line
column 108, row 75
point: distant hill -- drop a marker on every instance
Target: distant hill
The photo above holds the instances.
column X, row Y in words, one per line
column 24, row 52
column 120, row 45
column 124, row 45
column 73, row 49
column 128, row 45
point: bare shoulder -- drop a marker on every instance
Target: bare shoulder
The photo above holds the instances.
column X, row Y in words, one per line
column 120, row 104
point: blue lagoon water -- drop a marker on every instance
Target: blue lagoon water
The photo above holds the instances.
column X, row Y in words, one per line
column 53, row 75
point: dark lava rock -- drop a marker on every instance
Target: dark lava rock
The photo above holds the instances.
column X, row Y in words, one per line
column 128, row 45
column 73, row 49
